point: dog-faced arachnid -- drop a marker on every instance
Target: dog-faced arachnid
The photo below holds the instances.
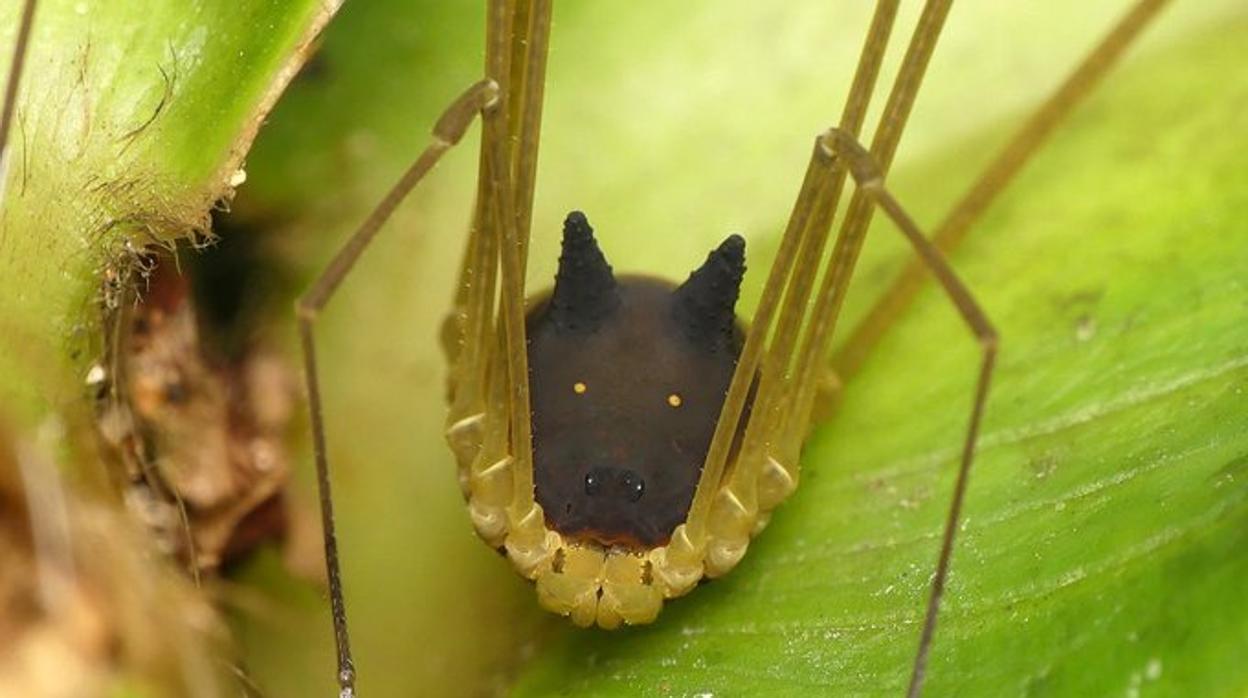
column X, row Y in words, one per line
column 628, row 377
column 834, row 595
column 585, row 562
column 627, row 380
column 603, row 554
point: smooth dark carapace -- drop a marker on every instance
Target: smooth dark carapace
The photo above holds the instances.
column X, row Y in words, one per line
column 627, row 378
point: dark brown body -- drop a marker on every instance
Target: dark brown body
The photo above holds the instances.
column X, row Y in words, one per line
column 625, row 394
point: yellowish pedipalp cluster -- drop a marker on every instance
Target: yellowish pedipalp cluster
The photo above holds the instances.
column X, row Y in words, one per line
column 587, row 582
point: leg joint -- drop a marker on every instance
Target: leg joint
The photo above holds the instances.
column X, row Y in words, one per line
column 305, row 310
column 482, row 96
column 841, row 145
column 989, row 339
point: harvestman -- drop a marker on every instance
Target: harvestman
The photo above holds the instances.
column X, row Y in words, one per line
column 610, row 563
column 556, row 478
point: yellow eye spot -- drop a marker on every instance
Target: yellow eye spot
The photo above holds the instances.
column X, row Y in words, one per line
column 674, row 400
column 579, row 388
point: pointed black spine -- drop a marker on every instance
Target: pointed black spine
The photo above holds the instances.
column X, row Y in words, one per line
column 706, row 303
column 585, row 290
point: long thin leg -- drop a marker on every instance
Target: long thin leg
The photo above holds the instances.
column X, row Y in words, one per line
column 817, row 181
column 835, row 285
column 489, row 423
column 995, row 178
column 13, row 85
column 517, row 41
column 870, row 181
column 527, row 125
column 773, row 399
column 448, row 131
column 812, row 215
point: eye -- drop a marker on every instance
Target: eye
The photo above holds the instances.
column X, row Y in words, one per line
column 593, row 483
column 632, row 485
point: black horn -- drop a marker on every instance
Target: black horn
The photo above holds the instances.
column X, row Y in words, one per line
column 706, row 303
column 585, row 289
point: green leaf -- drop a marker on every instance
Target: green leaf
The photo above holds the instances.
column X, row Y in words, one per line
column 1108, row 500
column 133, row 120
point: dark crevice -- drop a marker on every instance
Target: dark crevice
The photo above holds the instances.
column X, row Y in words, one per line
column 195, row 398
